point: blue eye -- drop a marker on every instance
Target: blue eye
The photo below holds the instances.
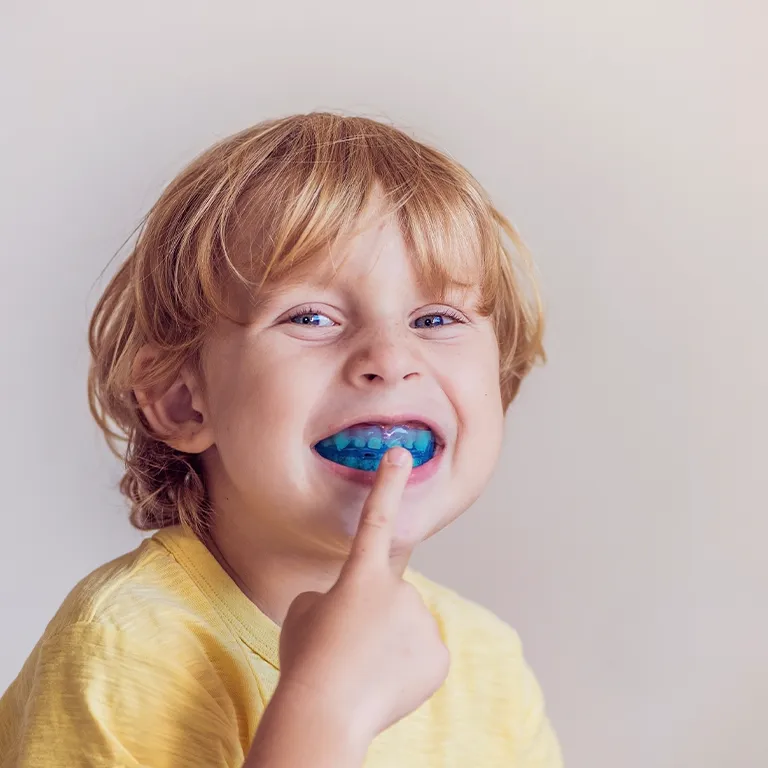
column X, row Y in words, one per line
column 312, row 318
column 436, row 320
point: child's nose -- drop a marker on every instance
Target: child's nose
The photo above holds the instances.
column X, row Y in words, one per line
column 384, row 359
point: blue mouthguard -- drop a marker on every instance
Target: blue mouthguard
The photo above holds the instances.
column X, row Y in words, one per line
column 363, row 446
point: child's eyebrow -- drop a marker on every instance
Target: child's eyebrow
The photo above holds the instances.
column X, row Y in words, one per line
column 263, row 299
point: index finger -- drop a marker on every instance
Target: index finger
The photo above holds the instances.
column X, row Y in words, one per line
column 373, row 539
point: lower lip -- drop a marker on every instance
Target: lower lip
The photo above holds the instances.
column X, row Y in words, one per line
column 418, row 475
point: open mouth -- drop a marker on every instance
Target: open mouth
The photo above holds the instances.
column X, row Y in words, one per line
column 362, row 446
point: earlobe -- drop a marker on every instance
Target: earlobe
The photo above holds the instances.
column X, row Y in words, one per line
column 175, row 414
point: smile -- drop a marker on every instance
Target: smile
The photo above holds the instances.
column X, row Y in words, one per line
column 362, row 446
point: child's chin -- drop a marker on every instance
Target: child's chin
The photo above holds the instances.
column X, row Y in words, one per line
column 412, row 528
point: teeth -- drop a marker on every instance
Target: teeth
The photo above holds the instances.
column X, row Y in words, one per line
column 422, row 440
column 341, row 441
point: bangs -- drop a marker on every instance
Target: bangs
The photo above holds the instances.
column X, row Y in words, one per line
column 322, row 183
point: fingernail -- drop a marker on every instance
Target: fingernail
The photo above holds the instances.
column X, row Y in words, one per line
column 397, row 456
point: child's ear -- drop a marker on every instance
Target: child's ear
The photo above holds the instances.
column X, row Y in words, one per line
column 176, row 414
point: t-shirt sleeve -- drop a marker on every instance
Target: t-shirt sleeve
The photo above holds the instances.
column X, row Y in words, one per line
column 98, row 699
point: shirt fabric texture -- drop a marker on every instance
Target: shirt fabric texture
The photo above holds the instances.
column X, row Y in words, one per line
column 157, row 659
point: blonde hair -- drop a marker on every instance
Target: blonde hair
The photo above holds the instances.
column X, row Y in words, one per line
column 303, row 181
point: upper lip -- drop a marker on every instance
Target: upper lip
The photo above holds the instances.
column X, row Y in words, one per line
column 390, row 419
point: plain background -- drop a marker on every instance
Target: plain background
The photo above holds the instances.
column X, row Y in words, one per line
column 624, row 532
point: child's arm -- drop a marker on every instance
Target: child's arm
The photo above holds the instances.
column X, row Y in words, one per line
column 355, row 660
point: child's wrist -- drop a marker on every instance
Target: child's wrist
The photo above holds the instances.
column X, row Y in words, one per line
column 321, row 720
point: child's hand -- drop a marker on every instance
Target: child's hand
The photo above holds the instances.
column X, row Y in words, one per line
column 369, row 651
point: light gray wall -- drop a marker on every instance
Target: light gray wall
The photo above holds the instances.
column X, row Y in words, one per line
column 624, row 532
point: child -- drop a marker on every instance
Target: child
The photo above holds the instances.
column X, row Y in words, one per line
column 309, row 354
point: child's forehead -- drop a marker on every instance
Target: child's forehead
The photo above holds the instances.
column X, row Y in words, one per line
column 359, row 274
column 358, row 251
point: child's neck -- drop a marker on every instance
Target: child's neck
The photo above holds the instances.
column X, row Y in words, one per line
column 270, row 579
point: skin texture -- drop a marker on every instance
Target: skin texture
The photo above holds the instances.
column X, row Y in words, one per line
column 270, row 388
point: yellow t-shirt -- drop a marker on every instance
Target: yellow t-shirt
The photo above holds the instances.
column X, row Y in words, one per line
column 157, row 659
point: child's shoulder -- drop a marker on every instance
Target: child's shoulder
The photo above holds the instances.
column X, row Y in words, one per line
column 124, row 592
column 137, row 631
column 133, row 618
column 142, row 605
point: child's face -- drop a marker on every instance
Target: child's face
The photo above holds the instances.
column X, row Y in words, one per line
column 361, row 350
